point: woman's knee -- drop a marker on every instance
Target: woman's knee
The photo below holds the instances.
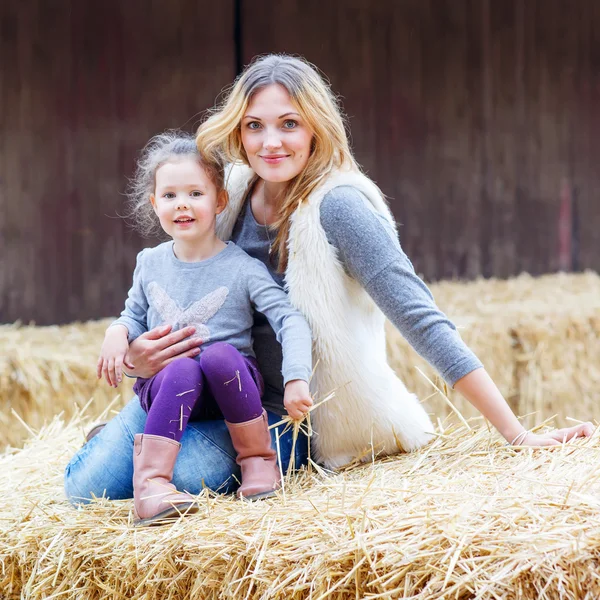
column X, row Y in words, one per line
column 206, row 459
column 104, row 465
column 100, row 469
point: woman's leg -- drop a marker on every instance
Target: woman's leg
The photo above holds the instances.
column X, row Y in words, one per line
column 104, row 466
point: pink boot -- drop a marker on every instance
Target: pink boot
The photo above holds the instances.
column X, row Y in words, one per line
column 155, row 498
column 260, row 473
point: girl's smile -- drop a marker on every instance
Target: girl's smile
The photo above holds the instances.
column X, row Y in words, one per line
column 184, row 221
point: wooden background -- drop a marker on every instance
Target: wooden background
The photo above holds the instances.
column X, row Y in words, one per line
column 480, row 120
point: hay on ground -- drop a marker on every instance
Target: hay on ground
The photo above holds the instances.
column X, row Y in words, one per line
column 465, row 517
column 48, row 370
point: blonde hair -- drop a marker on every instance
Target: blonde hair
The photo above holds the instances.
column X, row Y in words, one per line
column 220, row 137
column 170, row 145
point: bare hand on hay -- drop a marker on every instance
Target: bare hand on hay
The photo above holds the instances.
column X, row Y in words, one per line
column 555, row 438
column 481, row 391
column 112, row 355
column 297, row 399
column 155, row 349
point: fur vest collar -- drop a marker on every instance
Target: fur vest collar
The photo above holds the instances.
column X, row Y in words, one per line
column 372, row 413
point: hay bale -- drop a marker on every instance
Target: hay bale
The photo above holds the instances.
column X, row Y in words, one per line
column 466, row 517
column 48, row 370
column 539, row 338
column 518, row 327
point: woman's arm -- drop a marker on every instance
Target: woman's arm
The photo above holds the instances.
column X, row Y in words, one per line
column 290, row 327
column 368, row 248
column 370, row 251
column 479, row 389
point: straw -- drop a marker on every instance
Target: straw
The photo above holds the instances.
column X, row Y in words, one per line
column 48, row 370
column 464, row 517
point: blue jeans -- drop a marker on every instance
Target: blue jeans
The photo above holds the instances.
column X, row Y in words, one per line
column 104, row 466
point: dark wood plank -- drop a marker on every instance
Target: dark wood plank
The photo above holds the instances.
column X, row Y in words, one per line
column 461, row 111
column 586, row 146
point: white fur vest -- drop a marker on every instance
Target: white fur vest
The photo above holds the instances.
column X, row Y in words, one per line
column 372, row 412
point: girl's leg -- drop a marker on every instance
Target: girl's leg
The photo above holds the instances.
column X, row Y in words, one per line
column 228, row 376
column 170, row 397
column 173, row 393
column 104, row 466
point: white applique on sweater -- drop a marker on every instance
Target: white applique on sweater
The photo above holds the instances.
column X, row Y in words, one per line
column 195, row 315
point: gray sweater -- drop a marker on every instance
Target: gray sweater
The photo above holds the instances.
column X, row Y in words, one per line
column 370, row 251
column 218, row 297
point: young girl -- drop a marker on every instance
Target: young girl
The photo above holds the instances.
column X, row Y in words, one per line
column 198, row 280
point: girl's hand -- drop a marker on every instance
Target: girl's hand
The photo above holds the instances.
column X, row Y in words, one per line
column 112, row 355
column 296, row 398
column 155, row 349
column 555, row 438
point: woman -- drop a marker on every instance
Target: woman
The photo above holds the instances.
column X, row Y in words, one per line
column 299, row 203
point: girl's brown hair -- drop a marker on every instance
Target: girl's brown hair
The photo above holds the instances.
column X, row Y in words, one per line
column 170, row 145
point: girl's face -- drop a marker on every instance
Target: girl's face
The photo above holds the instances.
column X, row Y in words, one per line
column 186, row 200
column 275, row 137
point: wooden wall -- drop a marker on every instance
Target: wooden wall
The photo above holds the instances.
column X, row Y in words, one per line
column 478, row 118
column 83, row 87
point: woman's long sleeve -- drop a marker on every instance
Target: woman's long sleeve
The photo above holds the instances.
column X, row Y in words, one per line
column 370, row 251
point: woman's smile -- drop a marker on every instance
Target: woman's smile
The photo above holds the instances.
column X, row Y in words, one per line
column 274, row 159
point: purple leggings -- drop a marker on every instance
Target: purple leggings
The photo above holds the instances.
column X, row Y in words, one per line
column 181, row 390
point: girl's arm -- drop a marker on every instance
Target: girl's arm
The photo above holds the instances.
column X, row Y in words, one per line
column 112, row 355
column 370, row 251
column 130, row 325
column 292, row 332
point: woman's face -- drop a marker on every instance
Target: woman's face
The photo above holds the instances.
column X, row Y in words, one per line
column 275, row 137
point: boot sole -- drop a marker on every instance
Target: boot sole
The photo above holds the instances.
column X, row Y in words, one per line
column 168, row 515
column 259, row 496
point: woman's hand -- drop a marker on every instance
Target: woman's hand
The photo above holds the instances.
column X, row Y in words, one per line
column 112, row 355
column 296, row 398
column 555, row 438
column 479, row 389
column 155, row 349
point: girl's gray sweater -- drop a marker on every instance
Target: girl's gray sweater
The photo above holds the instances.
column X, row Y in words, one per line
column 218, row 297
column 369, row 249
